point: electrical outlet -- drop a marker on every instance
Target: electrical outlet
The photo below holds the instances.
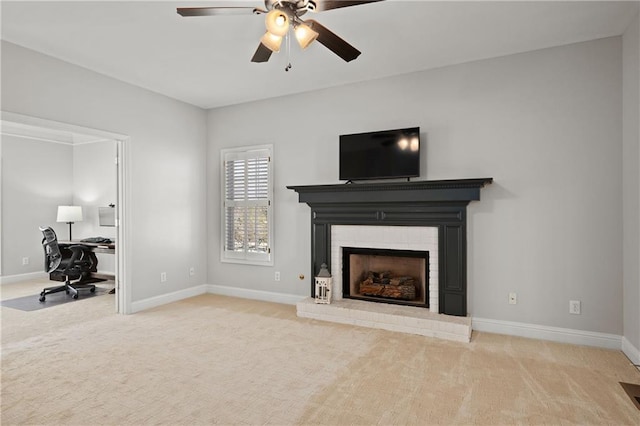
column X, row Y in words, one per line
column 192, row 271
column 163, row 277
column 277, row 276
column 25, row 261
column 574, row 307
column 513, row 299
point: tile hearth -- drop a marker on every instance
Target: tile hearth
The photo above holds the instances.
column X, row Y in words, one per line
column 404, row 319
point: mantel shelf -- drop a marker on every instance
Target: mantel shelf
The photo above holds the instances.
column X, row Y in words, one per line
column 385, row 192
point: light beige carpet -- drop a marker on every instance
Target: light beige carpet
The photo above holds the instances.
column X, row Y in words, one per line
column 221, row 360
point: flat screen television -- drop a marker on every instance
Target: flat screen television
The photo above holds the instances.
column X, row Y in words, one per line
column 384, row 154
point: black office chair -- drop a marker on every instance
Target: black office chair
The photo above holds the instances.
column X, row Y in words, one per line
column 76, row 266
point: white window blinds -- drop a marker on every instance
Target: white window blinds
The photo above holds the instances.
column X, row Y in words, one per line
column 247, row 194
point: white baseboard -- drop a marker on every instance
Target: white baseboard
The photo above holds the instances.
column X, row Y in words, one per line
column 555, row 334
column 163, row 299
column 23, row 277
column 267, row 296
column 631, row 351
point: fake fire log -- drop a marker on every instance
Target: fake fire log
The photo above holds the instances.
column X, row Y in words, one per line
column 385, row 284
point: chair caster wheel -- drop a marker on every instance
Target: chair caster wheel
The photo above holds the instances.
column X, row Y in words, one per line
column 41, row 298
column 42, row 294
column 93, row 290
column 75, row 296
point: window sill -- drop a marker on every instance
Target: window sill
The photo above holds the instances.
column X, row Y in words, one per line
column 247, row 261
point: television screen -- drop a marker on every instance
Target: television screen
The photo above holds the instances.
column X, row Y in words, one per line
column 380, row 155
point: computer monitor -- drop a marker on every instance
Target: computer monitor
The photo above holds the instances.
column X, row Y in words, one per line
column 107, row 216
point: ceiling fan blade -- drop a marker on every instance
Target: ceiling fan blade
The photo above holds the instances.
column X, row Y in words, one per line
column 214, row 11
column 335, row 4
column 263, row 53
column 332, row 42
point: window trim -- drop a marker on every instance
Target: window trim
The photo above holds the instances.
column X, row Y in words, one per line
column 246, row 258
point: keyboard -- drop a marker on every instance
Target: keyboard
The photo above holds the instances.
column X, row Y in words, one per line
column 96, row 240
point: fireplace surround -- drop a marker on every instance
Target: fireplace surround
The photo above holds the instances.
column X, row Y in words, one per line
column 441, row 204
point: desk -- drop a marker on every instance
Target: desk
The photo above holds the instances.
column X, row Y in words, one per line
column 93, row 249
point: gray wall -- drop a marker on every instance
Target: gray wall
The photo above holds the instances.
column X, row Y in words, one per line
column 95, row 185
column 166, row 153
column 631, row 184
column 546, row 125
column 37, row 177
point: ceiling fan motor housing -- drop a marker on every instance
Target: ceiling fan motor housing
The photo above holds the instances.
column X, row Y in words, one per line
column 294, row 8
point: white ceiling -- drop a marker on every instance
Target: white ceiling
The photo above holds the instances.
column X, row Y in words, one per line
column 205, row 61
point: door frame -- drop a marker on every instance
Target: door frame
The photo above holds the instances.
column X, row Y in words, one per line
column 123, row 213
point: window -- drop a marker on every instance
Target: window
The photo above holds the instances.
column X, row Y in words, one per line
column 247, row 191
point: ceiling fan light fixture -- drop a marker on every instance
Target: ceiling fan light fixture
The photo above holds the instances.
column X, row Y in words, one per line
column 272, row 41
column 305, row 35
column 277, row 22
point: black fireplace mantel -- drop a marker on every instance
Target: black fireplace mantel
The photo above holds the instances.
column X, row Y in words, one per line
column 386, row 192
column 439, row 203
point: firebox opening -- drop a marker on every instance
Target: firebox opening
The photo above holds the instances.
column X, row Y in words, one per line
column 385, row 275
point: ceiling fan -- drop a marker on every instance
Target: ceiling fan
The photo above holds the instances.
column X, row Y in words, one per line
column 281, row 15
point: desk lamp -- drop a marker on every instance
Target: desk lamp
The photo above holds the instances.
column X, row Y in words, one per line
column 69, row 214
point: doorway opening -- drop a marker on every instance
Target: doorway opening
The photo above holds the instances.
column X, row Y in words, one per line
column 98, row 180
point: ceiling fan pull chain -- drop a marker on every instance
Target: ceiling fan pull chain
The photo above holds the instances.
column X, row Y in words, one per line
column 288, row 40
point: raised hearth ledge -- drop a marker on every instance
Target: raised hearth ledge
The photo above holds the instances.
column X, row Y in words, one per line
column 404, row 319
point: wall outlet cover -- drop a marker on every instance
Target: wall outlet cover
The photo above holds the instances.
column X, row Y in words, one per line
column 574, row 307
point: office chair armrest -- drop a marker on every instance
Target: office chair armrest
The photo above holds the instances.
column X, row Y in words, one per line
column 78, row 253
column 78, row 248
column 84, row 256
column 81, row 259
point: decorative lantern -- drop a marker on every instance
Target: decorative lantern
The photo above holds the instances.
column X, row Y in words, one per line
column 323, row 285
